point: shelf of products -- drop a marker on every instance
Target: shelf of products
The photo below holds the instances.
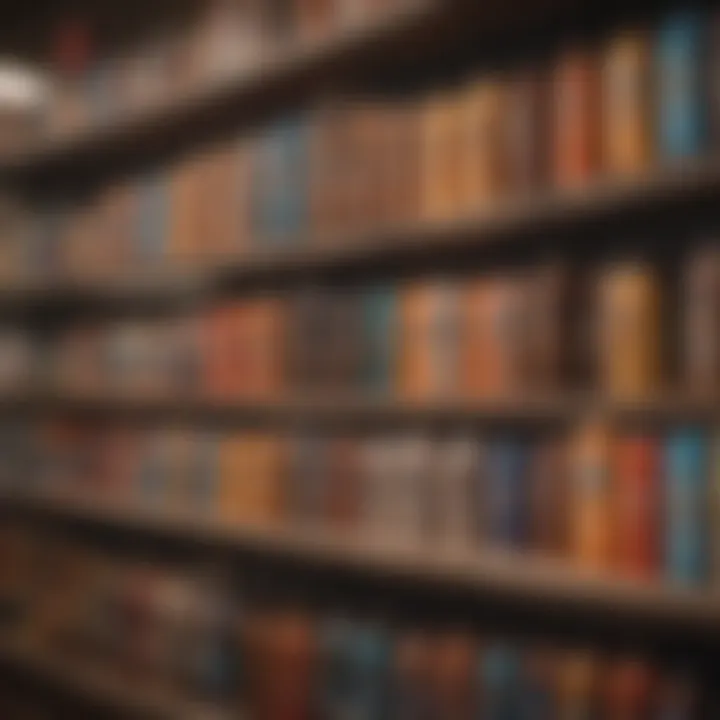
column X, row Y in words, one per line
column 512, row 578
column 332, row 660
column 92, row 684
column 448, row 502
column 357, row 183
column 455, row 337
column 557, row 409
column 538, row 221
column 289, row 69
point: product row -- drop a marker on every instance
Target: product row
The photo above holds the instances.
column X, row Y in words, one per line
column 622, row 330
column 87, row 81
column 367, row 164
column 187, row 629
column 628, row 505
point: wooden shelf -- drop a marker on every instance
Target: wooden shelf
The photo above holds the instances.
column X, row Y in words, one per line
column 97, row 686
column 299, row 73
column 539, row 585
column 275, row 84
column 419, row 31
column 353, row 409
column 604, row 209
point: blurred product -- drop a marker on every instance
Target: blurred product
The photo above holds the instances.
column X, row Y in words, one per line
column 628, row 142
column 628, row 690
column 430, row 339
column 682, row 103
column 551, row 329
column 700, row 309
column 411, row 694
column 500, row 691
column 356, row 670
column 538, row 697
column 578, row 687
column 345, row 488
column 151, row 213
column 629, row 341
column 495, row 359
column 452, row 676
column 635, row 503
column 444, row 153
column 280, row 185
column 452, row 486
column 380, row 339
column 677, row 697
column 485, row 149
column 282, row 649
column 590, row 497
column 549, row 499
column 505, row 494
column 576, row 126
column 686, row 509
column 528, row 125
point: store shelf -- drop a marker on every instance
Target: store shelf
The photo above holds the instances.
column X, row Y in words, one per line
column 94, row 685
column 535, row 584
column 411, row 31
column 246, row 99
column 418, row 30
column 364, row 410
column 537, row 222
column 537, row 218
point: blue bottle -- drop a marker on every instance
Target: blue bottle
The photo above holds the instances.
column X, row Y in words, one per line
column 686, row 508
column 682, row 121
